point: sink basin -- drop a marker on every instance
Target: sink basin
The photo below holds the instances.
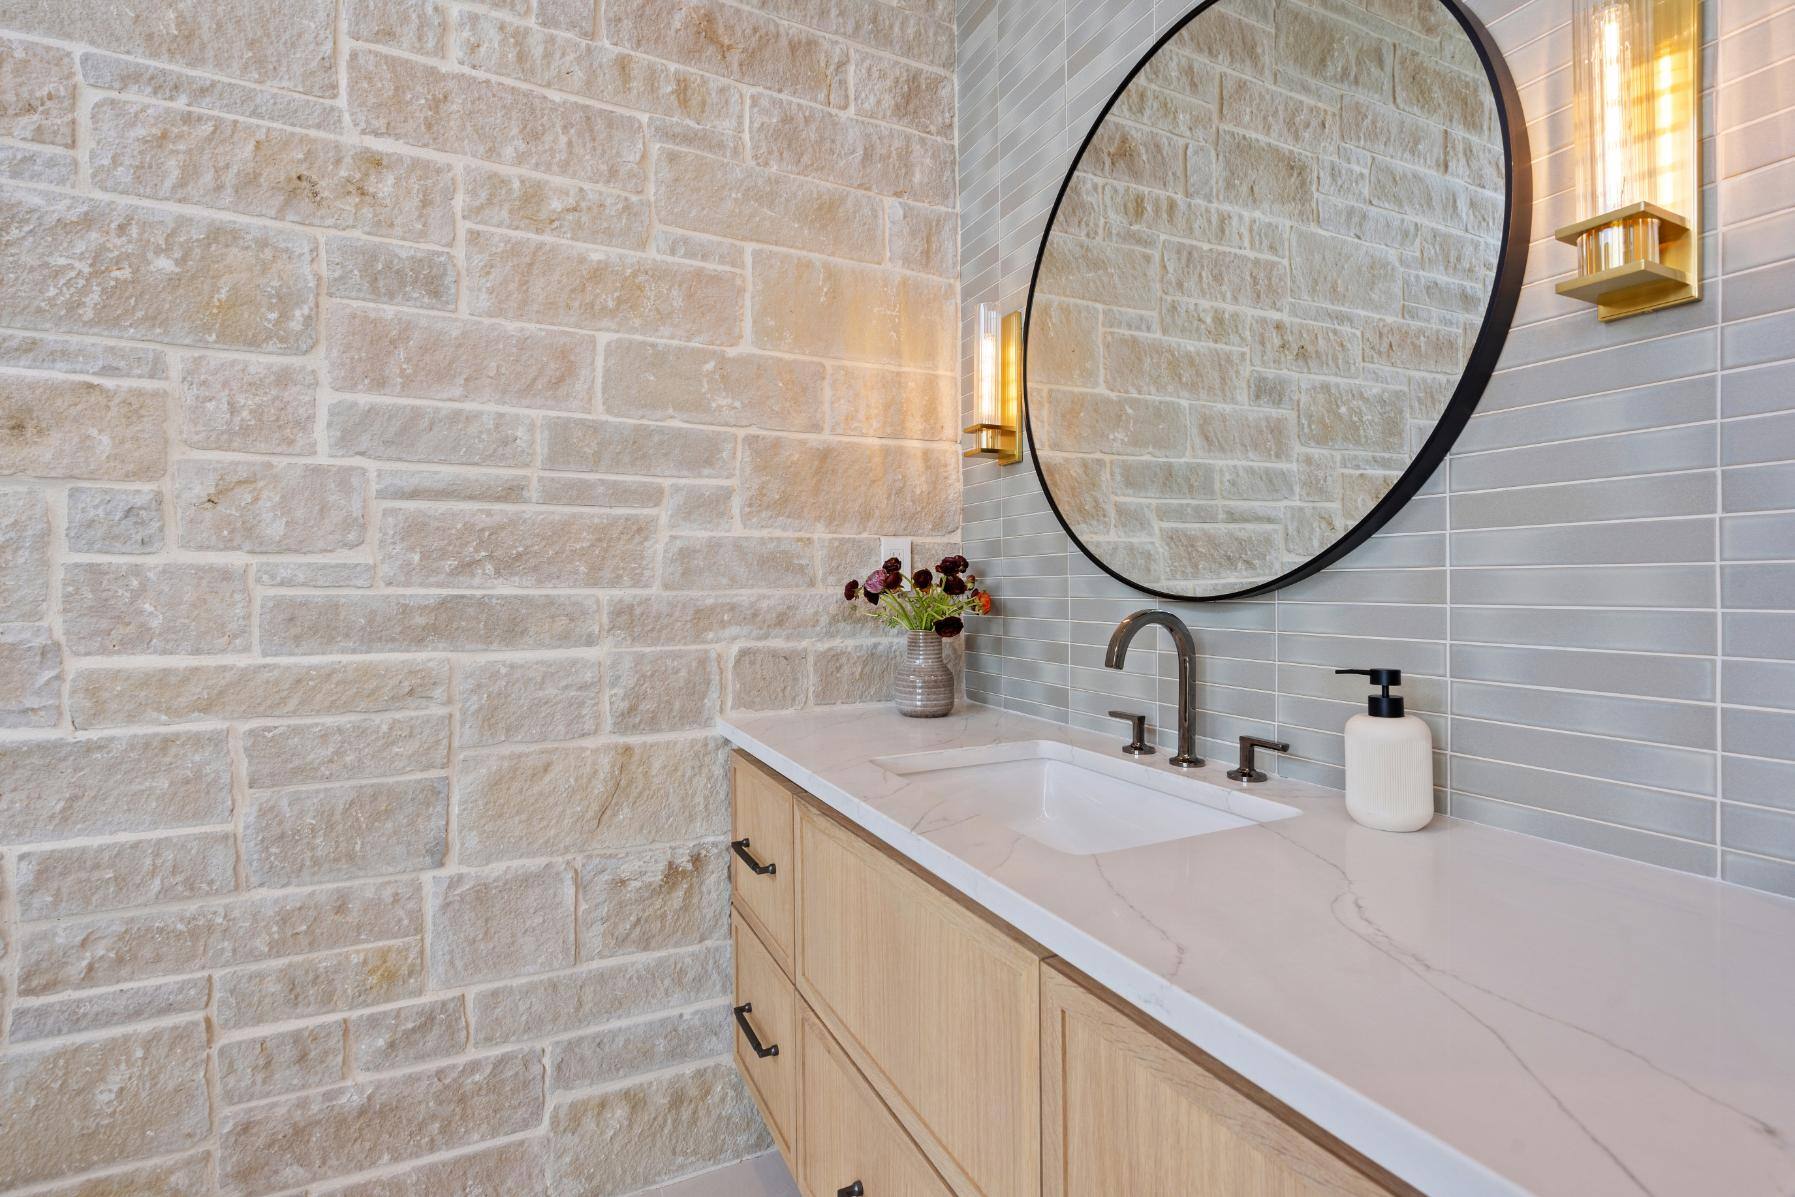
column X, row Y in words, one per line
column 1081, row 802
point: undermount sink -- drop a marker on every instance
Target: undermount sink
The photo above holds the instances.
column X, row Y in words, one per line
column 1081, row 802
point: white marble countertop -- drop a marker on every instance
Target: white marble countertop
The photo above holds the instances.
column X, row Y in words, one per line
column 1478, row 1011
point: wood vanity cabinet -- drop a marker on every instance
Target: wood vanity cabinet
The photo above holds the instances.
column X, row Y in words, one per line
column 926, row 1050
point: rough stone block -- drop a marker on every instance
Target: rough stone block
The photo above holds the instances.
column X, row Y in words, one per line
column 1353, row 416
column 102, row 1101
column 29, row 351
column 323, row 984
column 24, row 555
column 747, row 203
column 285, row 754
column 423, row 105
column 546, row 282
column 301, row 837
column 902, row 93
column 1331, row 51
column 110, row 73
column 802, row 139
column 629, row 1049
column 280, row 1062
column 170, row 608
column 470, row 548
column 736, row 562
column 382, row 1040
column 381, row 273
column 1228, row 434
column 766, row 677
column 1116, row 276
column 925, row 239
column 105, row 785
column 641, row 621
column 859, row 313
column 104, row 519
column 217, row 934
column 418, row 27
column 623, row 447
column 37, row 92
column 76, row 265
column 661, row 691
column 66, row 428
column 425, row 432
column 1263, row 176
column 481, row 487
column 678, row 1122
column 251, row 407
column 30, row 676
column 700, row 507
column 790, row 483
column 722, row 39
column 181, row 693
column 262, row 507
column 599, row 492
column 1344, row 273
column 438, row 357
column 284, row 43
column 520, row 1166
column 653, row 899
column 293, row 625
column 89, row 879
column 908, row 405
column 194, row 157
column 357, row 1128
column 501, row 922
column 853, row 672
column 559, row 800
column 552, row 698
column 601, row 993
column 110, row 1008
column 527, row 204
column 1305, row 347
column 597, row 72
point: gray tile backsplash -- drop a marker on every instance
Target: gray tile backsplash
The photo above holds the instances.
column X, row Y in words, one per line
column 1594, row 600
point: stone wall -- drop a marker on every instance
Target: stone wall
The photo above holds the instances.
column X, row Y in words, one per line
column 1592, row 599
column 418, row 419
column 1266, row 276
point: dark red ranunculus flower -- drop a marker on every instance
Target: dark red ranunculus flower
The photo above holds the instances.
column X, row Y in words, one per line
column 953, row 565
column 893, row 566
column 923, row 579
column 870, row 595
column 954, row 585
column 950, row 627
column 851, row 591
column 893, row 580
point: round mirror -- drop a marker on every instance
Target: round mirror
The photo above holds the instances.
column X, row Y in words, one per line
column 1273, row 286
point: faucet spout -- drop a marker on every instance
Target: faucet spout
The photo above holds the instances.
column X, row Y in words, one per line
column 1186, row 645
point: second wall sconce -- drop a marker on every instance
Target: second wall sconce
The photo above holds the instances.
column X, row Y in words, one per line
column 997, row 386
column 1636, row 70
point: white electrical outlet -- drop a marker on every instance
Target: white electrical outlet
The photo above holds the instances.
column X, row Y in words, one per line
column 899, row 547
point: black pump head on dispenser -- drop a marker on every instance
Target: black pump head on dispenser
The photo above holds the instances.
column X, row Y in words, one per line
column 1384, row 705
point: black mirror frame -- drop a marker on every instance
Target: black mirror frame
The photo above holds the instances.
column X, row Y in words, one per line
column 1511, row 268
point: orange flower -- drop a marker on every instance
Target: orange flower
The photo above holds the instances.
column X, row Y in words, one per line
column 984, row 601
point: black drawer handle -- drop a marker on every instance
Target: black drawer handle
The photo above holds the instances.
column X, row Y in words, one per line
column 854, row 1190
column 741, row 850
column 741, row 1020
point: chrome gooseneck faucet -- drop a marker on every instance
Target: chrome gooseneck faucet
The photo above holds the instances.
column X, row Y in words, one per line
column 1186, row 645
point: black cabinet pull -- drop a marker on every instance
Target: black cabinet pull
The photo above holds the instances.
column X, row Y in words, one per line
column 854, row 1190
column 741, row 850
column 741, row 1020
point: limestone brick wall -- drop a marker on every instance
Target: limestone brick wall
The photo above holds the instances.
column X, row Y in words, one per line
column 418, row 419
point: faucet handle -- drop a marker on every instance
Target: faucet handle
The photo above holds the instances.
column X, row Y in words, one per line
column 1138, row 746
column 1246, row 771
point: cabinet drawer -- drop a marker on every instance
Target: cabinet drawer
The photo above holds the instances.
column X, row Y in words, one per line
column 766, row 1008
column 849, row 1135
column 939, row 1008
column 762, row 868
column 1125, row 1110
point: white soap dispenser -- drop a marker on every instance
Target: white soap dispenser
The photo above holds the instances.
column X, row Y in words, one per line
column 1389, row 761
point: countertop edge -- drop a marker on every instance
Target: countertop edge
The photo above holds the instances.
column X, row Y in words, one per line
column 1384, row 1137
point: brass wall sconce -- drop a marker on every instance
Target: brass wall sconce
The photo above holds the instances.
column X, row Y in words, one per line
column 997, row 387
column 1637, row 74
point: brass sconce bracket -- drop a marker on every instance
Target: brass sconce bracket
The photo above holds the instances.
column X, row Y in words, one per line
column 1661, row 264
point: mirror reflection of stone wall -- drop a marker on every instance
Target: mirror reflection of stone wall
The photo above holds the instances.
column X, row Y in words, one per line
column 1263, row 284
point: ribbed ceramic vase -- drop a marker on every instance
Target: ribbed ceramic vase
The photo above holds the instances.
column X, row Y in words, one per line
column 923, row 687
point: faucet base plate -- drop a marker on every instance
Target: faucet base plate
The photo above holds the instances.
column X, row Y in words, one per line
column 1186, row 762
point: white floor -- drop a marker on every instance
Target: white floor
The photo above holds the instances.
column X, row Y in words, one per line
column 762, row 1176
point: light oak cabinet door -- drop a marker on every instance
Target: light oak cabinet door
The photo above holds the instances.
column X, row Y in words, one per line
column 766, row 1033
column 1124, row 1112
column 937, row 1007
column 849, row 1135
column 762, row 869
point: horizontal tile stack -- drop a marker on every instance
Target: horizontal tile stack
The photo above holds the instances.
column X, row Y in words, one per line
column 1591, row 600
column 418, row 420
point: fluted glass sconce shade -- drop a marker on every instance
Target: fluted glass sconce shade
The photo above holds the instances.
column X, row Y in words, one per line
column 1635, row 66
column 997, row 386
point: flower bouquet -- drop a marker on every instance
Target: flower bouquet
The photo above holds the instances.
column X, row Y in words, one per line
column 930, row 606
